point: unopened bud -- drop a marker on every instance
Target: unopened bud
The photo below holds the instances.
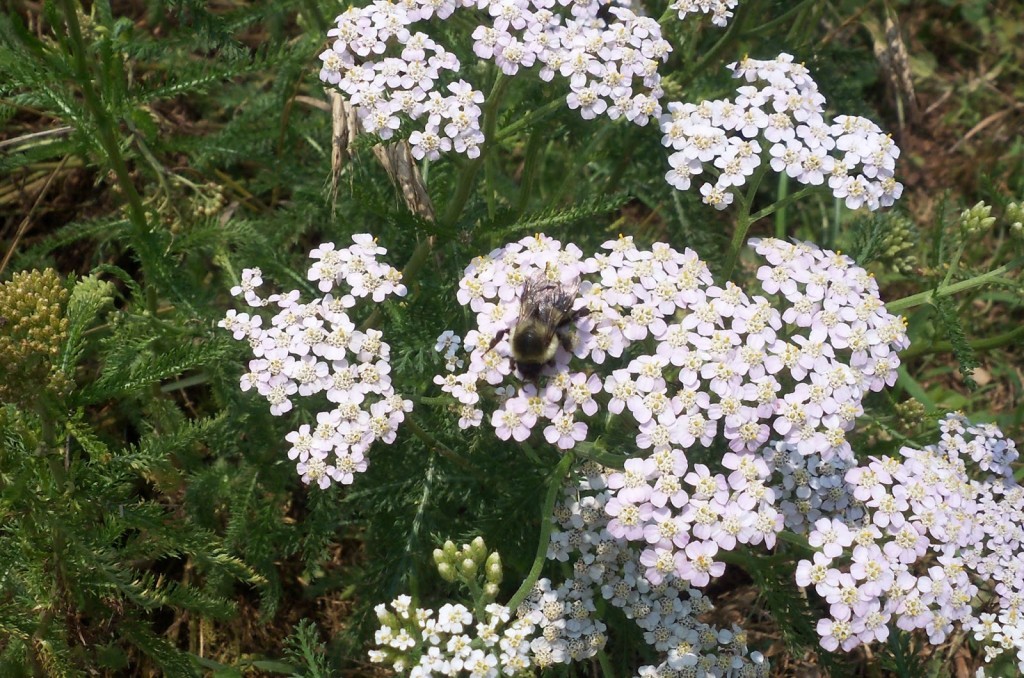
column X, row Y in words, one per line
column 468, row 567
column 478, row 549
column 493, row 568
column 490, row 591
column 977, row 219
column 446, row 571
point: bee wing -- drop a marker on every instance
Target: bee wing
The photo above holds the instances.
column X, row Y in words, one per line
column 548, row 301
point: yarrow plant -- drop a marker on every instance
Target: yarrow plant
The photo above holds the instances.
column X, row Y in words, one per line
column 314, row 350
column 739, row 405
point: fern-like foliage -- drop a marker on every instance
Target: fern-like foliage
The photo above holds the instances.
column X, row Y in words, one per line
column 952, row 327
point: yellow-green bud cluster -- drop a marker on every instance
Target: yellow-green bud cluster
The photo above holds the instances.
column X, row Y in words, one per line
column 463, row 565
column 1015, row 218
column 899, row 242
column 33, row 329
column 976, row 219
column 910, row 413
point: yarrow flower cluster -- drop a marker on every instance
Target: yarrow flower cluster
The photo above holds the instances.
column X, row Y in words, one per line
column 314, row 348
column 720, row 10
column 450, row 641
column 666, row 607
column 687, row 360
column 932, row 526
column 777, row 117
column 897, row 541
column 609, row 54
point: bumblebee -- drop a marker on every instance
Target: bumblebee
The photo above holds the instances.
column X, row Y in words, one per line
column 545, row 314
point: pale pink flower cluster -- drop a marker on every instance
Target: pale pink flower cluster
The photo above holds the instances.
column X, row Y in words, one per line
column 720, row 10
column 936, row 525
column 777, row 117
column 668, row 610
column 683, row 360
column 451, row 641
column 314, row 349
column 389, row 72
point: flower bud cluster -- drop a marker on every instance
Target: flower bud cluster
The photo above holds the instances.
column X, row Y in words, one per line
column 777, row 117
column 934, row 526
column 463, row 565
column 33, row 329
column 451, row 641
column 687, row 360
column 313, row 349
column 1015, row 217
column 976, row 220
column 390, row 73
column 898, row 244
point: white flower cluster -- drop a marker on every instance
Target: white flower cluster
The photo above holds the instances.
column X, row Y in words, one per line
column 808, row 488
column 934, row 526
column 777, row 117
column 688, row 361
column 389, row 72
column 720, row 10
column 418, row 642
column 565, row 630
column 313, row 348
column 667, row 609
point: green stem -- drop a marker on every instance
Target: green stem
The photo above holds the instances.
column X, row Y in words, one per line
column 48, row 449
column 743, row 221
column 948, row 290
column 417, row 524
column 725, row 42
column 530, row 163
column 605, row 664
column 592, row 452
column 545, row 532
column 436, row 446
column 780, row 213
column 467, row 178
column 490, row 129
column 954, row 263
column 108, row 140
column 795, row 539
column 781, row 203
column 986, row 344
column 530, row 118
column 768, row 26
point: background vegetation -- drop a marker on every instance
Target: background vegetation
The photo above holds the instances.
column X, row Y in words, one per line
column 149, row 519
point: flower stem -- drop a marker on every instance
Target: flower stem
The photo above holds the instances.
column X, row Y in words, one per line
column 730, row 36
column 743, row 222
column 467, row 179
column 948, row 290
column 986, row 344
column 109, row 141
column 554, row 486
column 436, row 446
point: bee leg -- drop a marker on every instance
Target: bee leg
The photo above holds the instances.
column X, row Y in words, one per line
column 498, row 337
column 580, row 313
